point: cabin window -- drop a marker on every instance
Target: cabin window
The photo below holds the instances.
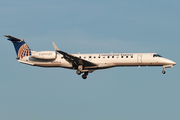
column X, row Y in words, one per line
column 108, row 57
column 94, row 56
column 89, row 56
column 112, row 56
column 103, row 57
column 121, row 56
column 61, row 57
column 84, row 57
column 131, row 56
column 79, row 56
column 99, row 57
column 126, row 56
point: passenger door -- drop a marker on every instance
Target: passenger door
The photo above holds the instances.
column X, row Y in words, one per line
column 139, row 59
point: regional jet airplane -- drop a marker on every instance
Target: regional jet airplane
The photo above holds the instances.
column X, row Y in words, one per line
column 85, row 63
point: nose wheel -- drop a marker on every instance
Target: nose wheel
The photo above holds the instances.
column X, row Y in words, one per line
column 163, row 72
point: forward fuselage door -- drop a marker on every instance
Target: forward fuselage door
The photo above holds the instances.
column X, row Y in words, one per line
column 139, row 59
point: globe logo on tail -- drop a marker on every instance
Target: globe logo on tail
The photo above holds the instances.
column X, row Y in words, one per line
column 24, row 50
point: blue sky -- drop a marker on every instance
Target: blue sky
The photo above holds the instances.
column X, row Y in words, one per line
column 28, row 92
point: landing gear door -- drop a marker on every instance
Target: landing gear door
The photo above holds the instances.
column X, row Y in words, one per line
column 139, row 59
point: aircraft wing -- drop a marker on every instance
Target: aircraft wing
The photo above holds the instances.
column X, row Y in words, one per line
column 73, row 59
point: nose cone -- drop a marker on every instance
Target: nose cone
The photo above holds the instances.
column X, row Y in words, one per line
column 170, row 62
column 166, row 61
column 174, row 63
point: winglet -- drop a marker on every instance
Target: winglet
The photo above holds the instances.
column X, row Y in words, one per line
column 55, row 47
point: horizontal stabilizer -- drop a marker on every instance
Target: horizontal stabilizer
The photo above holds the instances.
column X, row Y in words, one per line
column 13, row 39
column 20, row 46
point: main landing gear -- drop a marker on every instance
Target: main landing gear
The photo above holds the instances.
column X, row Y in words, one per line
column 84, row 76
column 78, row 72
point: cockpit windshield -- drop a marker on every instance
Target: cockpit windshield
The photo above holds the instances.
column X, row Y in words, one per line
column 157, row 55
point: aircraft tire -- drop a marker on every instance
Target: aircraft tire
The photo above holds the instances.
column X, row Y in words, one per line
column 84, row 76
column 78, row 72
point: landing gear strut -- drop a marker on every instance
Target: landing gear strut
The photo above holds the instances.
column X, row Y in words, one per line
column 84, row 76
column 163, row 70
column 80, row 70
column 167, row 66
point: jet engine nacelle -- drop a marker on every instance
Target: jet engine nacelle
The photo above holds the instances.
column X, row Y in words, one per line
column 44, row 55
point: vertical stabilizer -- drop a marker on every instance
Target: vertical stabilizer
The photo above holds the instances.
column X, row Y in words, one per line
column 20, row 46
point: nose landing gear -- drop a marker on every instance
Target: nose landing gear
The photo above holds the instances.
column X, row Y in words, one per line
column 163, row 70
column 166, row 66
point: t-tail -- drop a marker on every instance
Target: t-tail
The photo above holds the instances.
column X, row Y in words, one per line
column 20, row 46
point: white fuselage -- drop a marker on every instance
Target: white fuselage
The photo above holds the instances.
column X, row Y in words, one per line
column 85, row 63
column 103, row 60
